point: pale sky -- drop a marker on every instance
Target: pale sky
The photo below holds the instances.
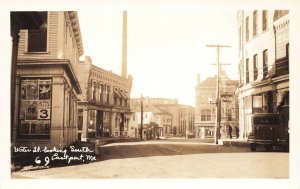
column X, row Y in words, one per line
column 165, row 48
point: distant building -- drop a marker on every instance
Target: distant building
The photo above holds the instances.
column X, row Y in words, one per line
column 156, row 122
column 264, row 65
column 182, row 115
column 47, row 89
column 205, row 110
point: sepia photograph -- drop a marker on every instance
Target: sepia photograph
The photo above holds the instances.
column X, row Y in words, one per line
column 138, row 93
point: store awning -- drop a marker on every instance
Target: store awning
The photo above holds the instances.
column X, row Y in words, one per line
column 117, row 93
column 123, row 95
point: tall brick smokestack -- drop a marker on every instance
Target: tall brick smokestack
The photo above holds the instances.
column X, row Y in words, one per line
column 124, row 46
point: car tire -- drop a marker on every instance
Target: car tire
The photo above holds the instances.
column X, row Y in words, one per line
column 253, row 147
column 268, row 148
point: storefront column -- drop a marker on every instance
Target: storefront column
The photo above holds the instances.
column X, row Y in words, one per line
column 113, row 123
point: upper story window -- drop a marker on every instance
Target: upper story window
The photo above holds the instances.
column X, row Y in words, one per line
column 247, row 29
column 264, row 20
column 37, row 38
column 254, row 23
column 205, row 115
column 229, row 115
column 240, row 37
column 255, row 65
column 265, row 63
column 107, row 93
column 100, row 92
column 93, row 90
column 247, row 70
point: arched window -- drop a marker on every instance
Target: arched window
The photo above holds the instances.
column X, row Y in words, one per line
column 264, row 20
column 254, row 23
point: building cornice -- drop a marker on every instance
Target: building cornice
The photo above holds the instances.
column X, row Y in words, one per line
column 269, row 82
column 53, row 62
column 76, row 30
column 281, row 23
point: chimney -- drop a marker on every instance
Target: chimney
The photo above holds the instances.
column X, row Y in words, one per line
column 124, row 46
column 198, row 78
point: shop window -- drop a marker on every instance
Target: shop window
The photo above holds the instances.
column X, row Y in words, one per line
column 80, row 119
column 35, row 108
column 257, row 104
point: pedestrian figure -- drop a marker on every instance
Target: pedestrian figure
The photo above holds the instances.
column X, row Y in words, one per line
column 237, row 131
column 230, row 131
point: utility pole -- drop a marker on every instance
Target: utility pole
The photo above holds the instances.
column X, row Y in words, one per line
column 142, row 116
column 218, row 102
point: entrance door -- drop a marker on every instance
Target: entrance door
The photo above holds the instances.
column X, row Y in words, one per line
column 99, row 123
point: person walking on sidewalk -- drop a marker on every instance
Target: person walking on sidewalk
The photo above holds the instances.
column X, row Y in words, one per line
column 230, row 131
column 237, row 131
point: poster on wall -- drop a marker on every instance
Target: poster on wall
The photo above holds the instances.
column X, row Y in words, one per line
column 35, row 106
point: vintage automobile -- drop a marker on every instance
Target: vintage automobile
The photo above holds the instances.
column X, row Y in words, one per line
column 265, row 129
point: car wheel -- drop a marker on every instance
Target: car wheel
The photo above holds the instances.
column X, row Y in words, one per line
column 253, row 147
column 268, row 147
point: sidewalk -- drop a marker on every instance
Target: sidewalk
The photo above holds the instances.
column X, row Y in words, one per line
column 108, row 140
column 233, row 142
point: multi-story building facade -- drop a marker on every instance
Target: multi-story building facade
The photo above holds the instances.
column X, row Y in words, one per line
column 264, row 64
column 205, row 111
column 182, row 115
column 104, row 106
column 46, row 86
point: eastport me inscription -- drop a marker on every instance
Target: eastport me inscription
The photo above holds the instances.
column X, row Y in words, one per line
column 54, row 156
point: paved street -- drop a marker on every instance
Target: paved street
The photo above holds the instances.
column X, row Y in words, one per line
column 173, row 159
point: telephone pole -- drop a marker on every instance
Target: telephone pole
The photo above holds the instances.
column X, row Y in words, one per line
column 218, row 100
column 142, row 117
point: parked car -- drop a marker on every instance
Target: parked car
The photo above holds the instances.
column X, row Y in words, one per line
column 265, row 129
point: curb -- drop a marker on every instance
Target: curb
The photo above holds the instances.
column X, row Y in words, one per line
column 236, row 143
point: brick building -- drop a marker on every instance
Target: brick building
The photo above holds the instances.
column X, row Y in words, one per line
column 205, row 110
column 104, row 106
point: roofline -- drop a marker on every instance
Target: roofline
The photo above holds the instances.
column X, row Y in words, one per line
column 76, row 30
